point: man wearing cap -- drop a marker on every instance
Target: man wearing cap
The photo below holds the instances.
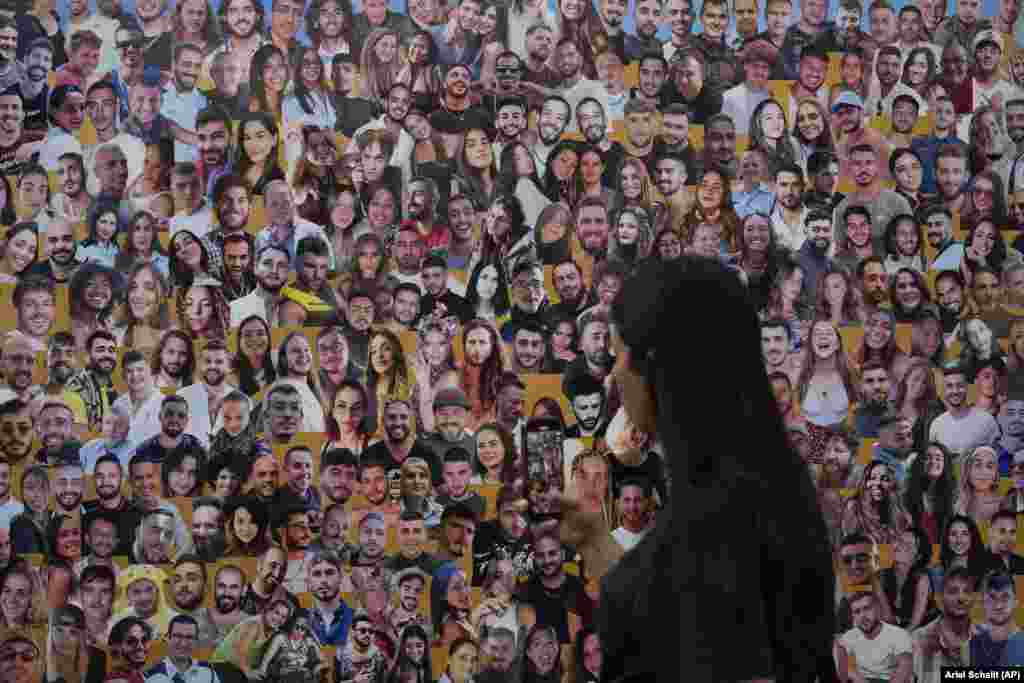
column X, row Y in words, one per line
column 989, row 87
column 740, row 101
column 963, row 427
column 451, row 414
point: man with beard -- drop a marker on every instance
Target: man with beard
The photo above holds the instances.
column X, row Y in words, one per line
column 571, row 83
column 509, row 406
column 596, row 359
column 882, row 203
column 174, row 418
column 268, row 585
column 434, row 274
column 460, row 106
column 262, row 476
column 111, row 502
column 60, row 247
column 240, row 280
column 313, row 256
column 812, row 27
column 232, row 204
column 740, row 101
column 847, row 36
column 670, row 177
column 208, row 528
column 228, row 71
column 952, row 175
column 285, row 228
column 944, row 133
column 143, row 401
column 871, row 637
column 330, row 615
column 504, row 536
column 53, row 425
column 84, row 48
column 849, row 110
column 273, row 265
column 128, row 68
column 646, row 21
column 720, row 72
column 592, row 226
column 529, row 298
column 874, row 281
column 938, row 223
column 373, row 537
column 875, row 388
column 15, row 147
column 144, row 119
column 291, row 525
column 408, row 584
column 940, row 643
column 393, row 143
column 653, row 76
column 962, row 27
column 205, row 397
column 67, row 114
column 227, row 612
column 187, row 586
column 508, row 87
column 68, row 479
column 101, row 101
column 552, row 591
column 408, row 248
column 34, row 301
column 129, row 639
column 587, row 398
column 298, row 486
column 641, row 122
column 963, row 427
column 373, row 484
column 283, row 413
column 154, row 538
column 573, row 294
column 400, row 441
column 241, row 23
column 955, row 75
column 814, row 255
column 613, row 15
column 590, row 117
column 1014, row 178
column 635, row 503
column 337, row 476
column 457, row 472
column 17, row 426
column 529, row 348
column 213, row 133
column 100, row 534
column 895, row 441
column 411, row 533
column 552, row 122
column 539, row 46
column 949, row 295
column 360, row 659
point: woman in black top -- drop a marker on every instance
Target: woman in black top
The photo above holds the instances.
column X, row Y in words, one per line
column 736, row 581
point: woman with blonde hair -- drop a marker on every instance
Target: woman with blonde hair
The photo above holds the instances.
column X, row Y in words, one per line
column 978, row 491
column 917, row 400
column 418, row 491
column 434, row 361
column 552, row 234
column 380, row 64
column 22, row 599
column 141, row 322
column 590, row 478
column 388, row 376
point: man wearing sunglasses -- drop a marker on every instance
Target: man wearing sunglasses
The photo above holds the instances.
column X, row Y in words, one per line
column 858, row 573
column 129, row 639
column 127, row 68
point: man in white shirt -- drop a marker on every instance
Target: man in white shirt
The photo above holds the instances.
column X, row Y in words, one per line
column 739, row 102
column 143, row 400
column 205, row 396
column 272, row 268
column 634, row 505
column 881, row 651
column 962, row 428
column 187, row 190
column 182, row 100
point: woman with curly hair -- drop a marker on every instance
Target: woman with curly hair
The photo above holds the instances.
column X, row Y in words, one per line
column 257, row 148
column 95, row 292
column 309, row 102
column 768, row 133
column 630, row 239
column 930, row 490
column 839, row 299
column 978, row 494
column 142, row 246
column 330, row 25
column 101, row 246
column 181, row 472
column 418, row 72
column 253, row 365
column 202, row 309
column 434, row 361
column 268, row 80
column 246, row 527
column 388, row 376
column 918, row 71
column 192, row 258
column 876, row 510
column 904, row 245
column 147, row 314
column 380, row 64
column 879, row 345
column 714, row 207
column 195, row 22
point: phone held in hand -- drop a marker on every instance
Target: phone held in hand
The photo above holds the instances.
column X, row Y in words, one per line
column 544, row 441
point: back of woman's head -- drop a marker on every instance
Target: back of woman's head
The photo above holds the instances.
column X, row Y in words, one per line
column 702, row 383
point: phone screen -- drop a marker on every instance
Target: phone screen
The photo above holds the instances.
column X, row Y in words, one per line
column 545, row 478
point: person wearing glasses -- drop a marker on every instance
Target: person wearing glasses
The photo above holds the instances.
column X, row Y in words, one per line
column 179, row 665
column 20, row 660
column 67, row 114
column 127, row 71
column 293, row 655
column 128, row 642
column 360, row 660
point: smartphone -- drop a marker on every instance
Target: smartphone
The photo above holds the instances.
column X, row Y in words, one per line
column 544, row 442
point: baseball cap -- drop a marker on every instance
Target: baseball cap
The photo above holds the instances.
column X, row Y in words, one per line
column 988, row 36
column 847, row 98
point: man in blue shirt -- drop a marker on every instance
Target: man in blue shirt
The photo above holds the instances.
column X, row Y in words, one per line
column 752, row 196
column 928, row 146
column 894, row 443
column 330, row 617
column 458, row 42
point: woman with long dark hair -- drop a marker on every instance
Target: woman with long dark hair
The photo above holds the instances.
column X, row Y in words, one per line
column 480, row 375
column 253, row 366
column 309, row 102
column 560, row 174
column 419, row 73
column 768, row 133
column 783, row 592
column 142, row 246
column 552, row 234
column 487, row 292
column 906, row 583
column 257, row 148
column 268, row 80
column 147, row 313
column 101, row 246
column 347, row 425
column 930, row 490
